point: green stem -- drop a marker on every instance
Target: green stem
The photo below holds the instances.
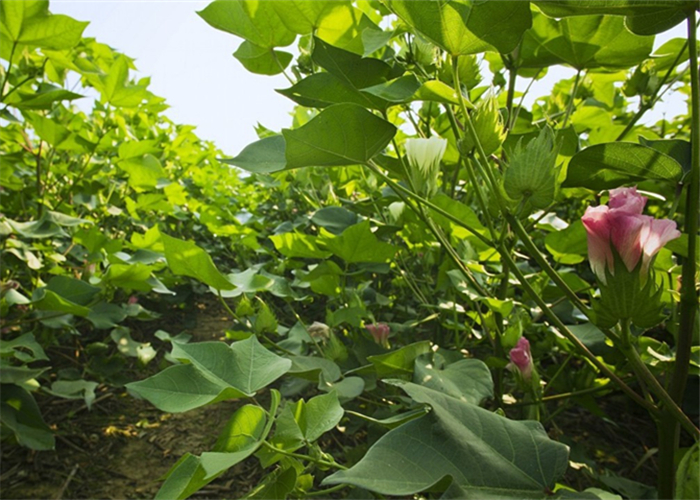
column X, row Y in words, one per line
column 484, row 169
column 512, row 79
column 399, row 188
column 570, row 107
column 324, row 493
column 644, row 107
column 300, row 456
column 7, row 73
column 544, row 264
column 563, row 329
column 689, row 293
column 642, row 371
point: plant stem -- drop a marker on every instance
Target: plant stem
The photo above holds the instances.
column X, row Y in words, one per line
column 544, row 264
column 512, row 79
column 300, row 456
column 571, row 337
column 323, row 493
column 570, row 107
column 668, row 429
column 7, row 73
column 689, row 293
column 644, row 107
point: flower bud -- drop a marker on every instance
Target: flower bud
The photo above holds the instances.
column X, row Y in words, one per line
column 380, row 333
column 532, row 174
column 424, row 157
column 488, row 124
column 521, row 359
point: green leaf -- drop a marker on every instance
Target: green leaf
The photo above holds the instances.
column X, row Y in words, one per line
column 264, row 156
column 29, row 23
column 486, row 455
column 463, row 28
column 584, row 42
column 75, row 389
column 256, row 21
column 20, row 414
column 437, row 91
column 358, row 244
column 606, row 166
column 468, row 380
column 399, row 363
column 185, row 258
column 568, row 246
column 645, row 17
column 144, row 172
column 262, row 60
column 677, row 149
column 114, row 87
column 47, row 300
column 73, row 289
column 215, row 372
column 49, row 225
column 687, row 475
column 129, row 276
column 303, row 17
column 45, row 99
column 334, row 219
column 298, row 246
column 240, row 439
column 342, row 134
column 48, row 130
column 136, row 149
column 321, row 90
column 104, row 316
column 129, row 347
column 277, row 485
column 25, row 341
column 312, row 367
column 318, row 416
column 398, row 90
column 353, row 70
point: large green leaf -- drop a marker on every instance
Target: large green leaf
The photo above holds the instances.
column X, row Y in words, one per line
column 462, row 27
column 606, row 166
column 185, row 258
column 262, row 60
column 486, row 455
column 29, row 23
column 262, row 157
column 358, row 244
column 342, row 134
column 468, row 380
column 302, row 16
column 584, row 42
column 215, row 371
column 254, row 20
column 644, row 17
column 323, row 89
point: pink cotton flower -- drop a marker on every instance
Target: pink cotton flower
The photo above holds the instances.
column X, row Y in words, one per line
column 521, row 359
column 380, row 332
column 621, row 225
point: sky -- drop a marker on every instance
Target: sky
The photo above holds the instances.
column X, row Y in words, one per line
column 192, row 66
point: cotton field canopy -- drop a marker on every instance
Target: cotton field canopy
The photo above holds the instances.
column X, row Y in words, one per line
column 335, row 249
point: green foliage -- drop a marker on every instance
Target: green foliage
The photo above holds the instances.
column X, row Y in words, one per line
column 117, row 216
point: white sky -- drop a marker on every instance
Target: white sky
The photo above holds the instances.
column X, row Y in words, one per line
column 192, row 66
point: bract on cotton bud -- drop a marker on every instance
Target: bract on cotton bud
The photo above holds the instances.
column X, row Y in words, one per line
column 424, row 157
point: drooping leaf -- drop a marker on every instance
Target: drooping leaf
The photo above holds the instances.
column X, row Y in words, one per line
column 606, row 166
column 264, row 156
column 185, row 258
column 399, row 363
column 486, row 455
column 262, row 60
column 342, row 134
column 298, row 246
column 256, row 21
column 468, row 380
column 463, row 28
column 334, row 219
column 583, row 42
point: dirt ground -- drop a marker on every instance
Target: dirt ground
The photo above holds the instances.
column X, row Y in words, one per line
column 122, row 447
